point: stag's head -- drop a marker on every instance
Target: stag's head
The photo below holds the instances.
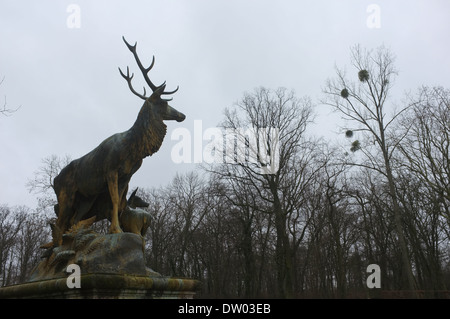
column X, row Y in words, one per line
column 159, row 106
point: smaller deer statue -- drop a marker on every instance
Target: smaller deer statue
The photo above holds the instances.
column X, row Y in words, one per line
column 133, row 219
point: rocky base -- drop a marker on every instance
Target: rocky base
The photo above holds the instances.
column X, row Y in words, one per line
column 121, row 253
column 97, row 266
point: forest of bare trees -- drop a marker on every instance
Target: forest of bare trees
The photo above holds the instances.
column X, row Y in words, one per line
column 310, row 228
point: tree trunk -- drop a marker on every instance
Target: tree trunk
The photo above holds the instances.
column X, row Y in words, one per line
column 406, row 262
column 283, row 249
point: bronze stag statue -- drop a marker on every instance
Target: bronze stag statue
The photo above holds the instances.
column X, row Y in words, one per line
column 97, row 183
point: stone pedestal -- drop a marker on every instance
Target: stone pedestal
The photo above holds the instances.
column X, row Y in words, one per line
column 105, row 286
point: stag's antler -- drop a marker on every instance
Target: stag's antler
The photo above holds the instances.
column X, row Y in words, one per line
column 144, row 71
column 129, row 77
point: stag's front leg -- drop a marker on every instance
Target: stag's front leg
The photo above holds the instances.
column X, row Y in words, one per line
column 113, row 187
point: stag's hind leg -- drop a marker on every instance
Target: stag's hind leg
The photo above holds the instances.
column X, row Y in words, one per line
column 64, row 211
column 113, row 187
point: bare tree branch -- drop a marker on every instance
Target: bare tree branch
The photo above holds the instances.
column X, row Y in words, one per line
column 4, row 110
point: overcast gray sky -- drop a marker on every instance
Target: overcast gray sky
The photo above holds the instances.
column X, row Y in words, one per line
column 60, row 66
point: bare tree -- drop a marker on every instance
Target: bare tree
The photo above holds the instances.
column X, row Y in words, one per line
column 278, row 120
column 33, row 233
column 42, row 182
column 424, row 187
column 426, row 229
column 244, row 206
column 4, row 110
column 9, row 228
column 160, row 240
column 427, row 143
column 189, row 205
column 22, row 231
column 364, row 103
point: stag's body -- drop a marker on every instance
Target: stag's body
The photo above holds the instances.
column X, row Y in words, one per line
column 97, row 183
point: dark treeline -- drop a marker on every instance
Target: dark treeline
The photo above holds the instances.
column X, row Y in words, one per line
column 294, row 215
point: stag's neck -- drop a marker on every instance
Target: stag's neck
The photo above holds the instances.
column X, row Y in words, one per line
column 147, row 133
